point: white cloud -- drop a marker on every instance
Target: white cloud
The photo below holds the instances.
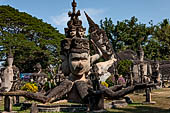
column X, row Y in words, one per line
column 95, row 14
column 61, row 20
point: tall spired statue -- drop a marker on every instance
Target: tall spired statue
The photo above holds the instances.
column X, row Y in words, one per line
column 81, row 86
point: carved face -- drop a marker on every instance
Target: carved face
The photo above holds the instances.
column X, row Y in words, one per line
column 73, row 32
column 81, row 32
column 79, row 63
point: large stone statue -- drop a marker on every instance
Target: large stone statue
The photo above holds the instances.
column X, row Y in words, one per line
column 7, row 77
column 82, row 85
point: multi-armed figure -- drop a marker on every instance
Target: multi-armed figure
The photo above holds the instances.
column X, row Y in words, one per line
column 77, row 63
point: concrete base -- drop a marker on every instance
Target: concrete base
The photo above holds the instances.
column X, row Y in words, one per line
column 99, row 111
column 9, row 112
column 62, row 108
column 58, row 107
column 146, row 103
column 116, row 104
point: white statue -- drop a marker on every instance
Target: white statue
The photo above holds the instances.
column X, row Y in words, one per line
column 8, row 75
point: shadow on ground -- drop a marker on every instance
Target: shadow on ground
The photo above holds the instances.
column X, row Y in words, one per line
column 140, row 109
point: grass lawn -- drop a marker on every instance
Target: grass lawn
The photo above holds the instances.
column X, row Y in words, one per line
column 160, row 96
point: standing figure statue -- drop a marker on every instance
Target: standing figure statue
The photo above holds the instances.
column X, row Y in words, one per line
column 8, row 74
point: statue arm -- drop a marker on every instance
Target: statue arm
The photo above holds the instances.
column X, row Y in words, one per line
column 59, row 91
column 122, row 92
column 104, row 66
column 56, row 93
column 98, row 52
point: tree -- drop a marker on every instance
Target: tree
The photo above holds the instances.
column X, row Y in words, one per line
column 30, row 39
column 124, row 67
column 126, row 34
column 130, row 34
column 158, row 45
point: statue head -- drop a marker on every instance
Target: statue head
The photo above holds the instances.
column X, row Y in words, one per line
column 75, row 48
column 73, row 32
column 79, row 63
column 75, row 56
column 10, row 59
column 79, row 57
column 37, row 67
column 81, row 32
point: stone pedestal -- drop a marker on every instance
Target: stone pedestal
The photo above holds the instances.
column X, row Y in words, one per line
column 119, row 103
column 34, row 108
column 96, row 102
column 15, row 100
column 148, row 97
column 8, row 104
column 1, row 98
column 57, row 108
column 116, row 104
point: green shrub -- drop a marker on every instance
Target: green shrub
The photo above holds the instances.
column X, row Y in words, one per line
column 110, row 81
column 124, row 67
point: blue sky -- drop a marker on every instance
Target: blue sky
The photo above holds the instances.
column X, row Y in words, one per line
column 55, row 12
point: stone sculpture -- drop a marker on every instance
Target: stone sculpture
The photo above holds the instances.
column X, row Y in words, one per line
column 7, row 78
column 77, row 63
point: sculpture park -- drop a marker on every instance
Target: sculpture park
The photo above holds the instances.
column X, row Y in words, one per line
column 86, row 73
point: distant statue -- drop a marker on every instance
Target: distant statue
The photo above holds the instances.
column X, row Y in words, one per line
column 156, row 76
column 8, row 74
column 39, row 76
column 141, row 53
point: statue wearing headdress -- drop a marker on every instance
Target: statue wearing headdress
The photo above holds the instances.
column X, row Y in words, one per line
column 77, row 63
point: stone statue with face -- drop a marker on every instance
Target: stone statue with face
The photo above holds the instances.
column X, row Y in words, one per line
column 76, row 58
column 81, row 32
column 73, row 32
column 77, row 63
column 8, row 75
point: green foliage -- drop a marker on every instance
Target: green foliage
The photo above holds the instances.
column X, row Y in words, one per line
column 160, row 42
column 30, row 39
column 130, row 34
column 49, row 85
column 110, row 81
column 126, row 34
column 124, row 67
